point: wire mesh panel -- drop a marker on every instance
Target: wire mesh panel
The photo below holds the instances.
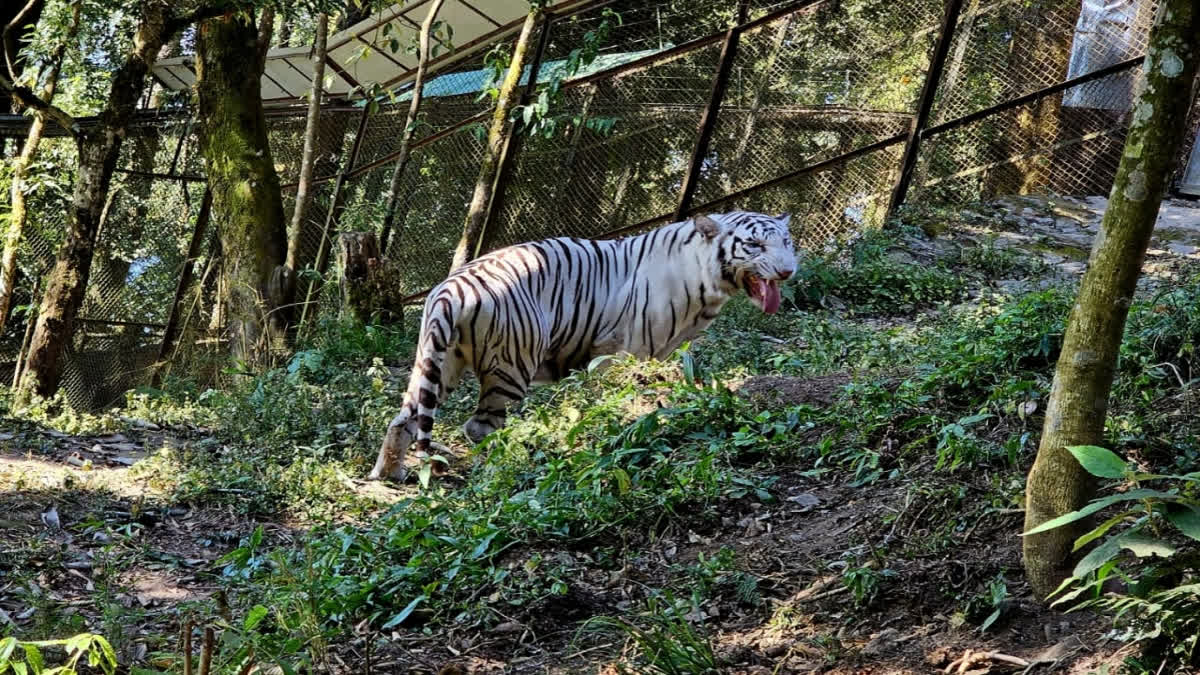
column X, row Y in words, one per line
column 835, row 202
column 1002, row 50
column 140, row 249
column 1058, row 141
column 334, row 135
column 1036, row 148
column 312, row 227
column 815, row 84
column 432, row 208
column 618, row 158
column 451, row 94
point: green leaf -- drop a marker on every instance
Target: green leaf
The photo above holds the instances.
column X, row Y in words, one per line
column 1187, row 520
column 1075, row 593
column 989, row 621
column 1097, row 505
column 1099, row 461
column 596, row 362
column 624, row 482
column 1143, row 545
column 34, row 658
column 1099, row 531
column 399, row 618
column 108, row 653
column 482, row 546
column 7, row 646
column 1099, row 555
column 254, row 617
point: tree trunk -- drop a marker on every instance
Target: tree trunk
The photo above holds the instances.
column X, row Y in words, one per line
column 410, row 121
column 99, row 149
column 304, row 183
column 367, row 282
column 19, row 213
column 472, row 236
column 284, row 36
column 247, row 206
column 1083, row 378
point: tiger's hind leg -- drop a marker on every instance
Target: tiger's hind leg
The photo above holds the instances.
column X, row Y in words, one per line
column 497, row 389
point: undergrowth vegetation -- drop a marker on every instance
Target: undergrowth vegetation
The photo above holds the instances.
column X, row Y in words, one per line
column 595, row 470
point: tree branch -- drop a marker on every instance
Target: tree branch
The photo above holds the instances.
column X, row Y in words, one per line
column 206, row 11
column 266, row 26
column 8, row 29
column 26, row 96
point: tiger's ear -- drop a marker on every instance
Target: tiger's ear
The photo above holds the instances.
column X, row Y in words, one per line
column 707, row 226
column 784, row 219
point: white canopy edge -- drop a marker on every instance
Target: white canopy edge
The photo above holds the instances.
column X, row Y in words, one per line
column 362, row 54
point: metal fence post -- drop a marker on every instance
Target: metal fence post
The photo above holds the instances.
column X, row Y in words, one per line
column 708, row 119
column 335, row 208
column 916, row 131
column 513, row 140
column 171, row 331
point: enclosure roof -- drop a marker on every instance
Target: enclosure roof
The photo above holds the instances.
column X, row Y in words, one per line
column 474, row 81
column 361, row 54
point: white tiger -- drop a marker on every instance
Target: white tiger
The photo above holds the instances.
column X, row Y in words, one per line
column 530, row 313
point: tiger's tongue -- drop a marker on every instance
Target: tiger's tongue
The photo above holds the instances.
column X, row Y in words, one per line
column 769, row 292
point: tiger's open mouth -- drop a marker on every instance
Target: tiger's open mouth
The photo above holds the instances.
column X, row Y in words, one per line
column 762, row 292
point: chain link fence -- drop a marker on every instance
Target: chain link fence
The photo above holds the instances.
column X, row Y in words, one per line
column 819, row 115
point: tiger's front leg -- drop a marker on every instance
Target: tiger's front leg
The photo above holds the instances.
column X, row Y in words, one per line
column 389, row 464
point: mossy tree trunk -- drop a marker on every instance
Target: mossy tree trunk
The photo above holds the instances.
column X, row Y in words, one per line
column 247, row 206
column 99, row 149
column 1083, row 378
column 18, row 213
column 472, row 236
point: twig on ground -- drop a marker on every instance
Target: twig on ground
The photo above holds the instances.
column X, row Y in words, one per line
column 971, row 658
column 581, row 652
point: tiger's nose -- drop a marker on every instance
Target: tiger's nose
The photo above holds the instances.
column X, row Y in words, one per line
column 785, row 274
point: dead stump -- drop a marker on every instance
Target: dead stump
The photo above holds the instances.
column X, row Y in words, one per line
column 368, row 282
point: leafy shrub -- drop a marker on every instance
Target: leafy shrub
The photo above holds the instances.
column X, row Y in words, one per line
column 868, row 281
column 29, row 659
column 1160, row 602
column 553, row 474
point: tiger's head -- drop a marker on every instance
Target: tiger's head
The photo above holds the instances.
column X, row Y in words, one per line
column 755, row 252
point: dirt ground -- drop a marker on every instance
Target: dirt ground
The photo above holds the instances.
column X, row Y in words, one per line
column 803, row 622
